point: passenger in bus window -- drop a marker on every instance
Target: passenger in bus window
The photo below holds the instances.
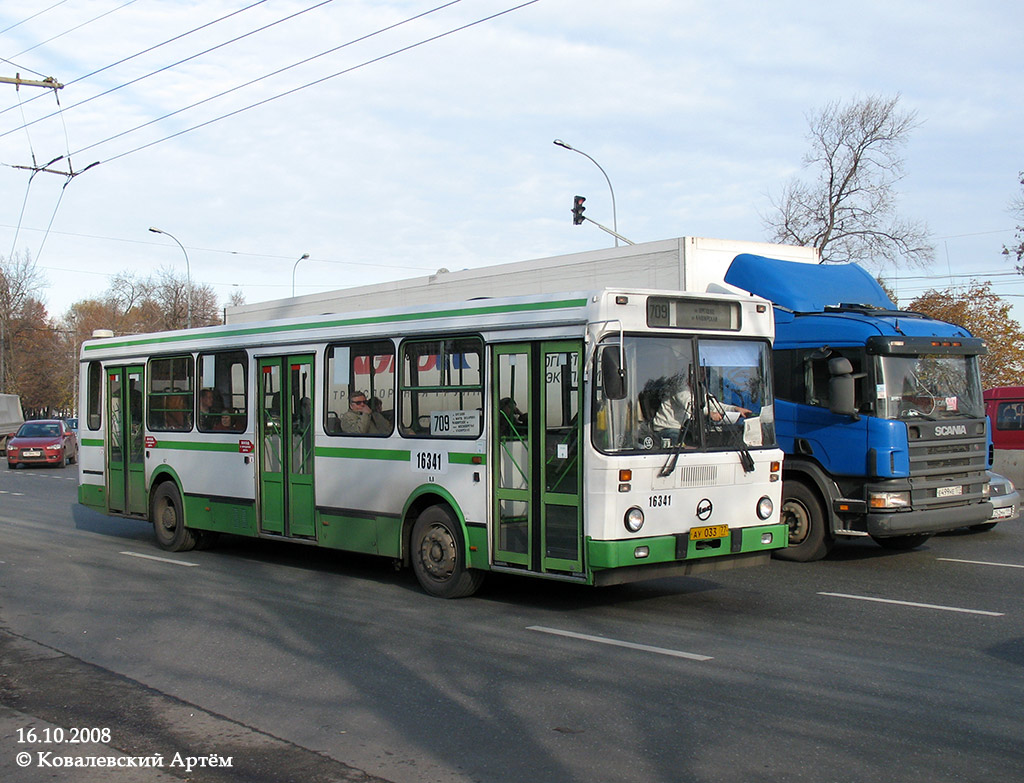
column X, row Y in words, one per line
column 361, row 419
column 211, row 411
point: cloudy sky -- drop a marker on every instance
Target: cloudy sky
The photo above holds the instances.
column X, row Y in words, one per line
column 386, row 142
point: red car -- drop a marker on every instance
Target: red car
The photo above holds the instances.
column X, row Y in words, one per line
column 43, row 442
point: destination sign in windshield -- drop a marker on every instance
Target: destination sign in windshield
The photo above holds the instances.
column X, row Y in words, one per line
column 692, row 314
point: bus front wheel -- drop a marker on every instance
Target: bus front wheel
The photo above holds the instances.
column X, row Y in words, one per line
column 439, row 556
column 169, row 519
column 803, row 513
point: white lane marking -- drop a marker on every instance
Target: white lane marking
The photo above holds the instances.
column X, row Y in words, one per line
column 980, row 562
column 160, row 559
column 915, row 604
column 12, row 494
column 619, row 643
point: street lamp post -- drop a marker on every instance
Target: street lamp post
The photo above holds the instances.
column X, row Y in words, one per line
column 303, row 257
column 615, row 220
column 188, row 275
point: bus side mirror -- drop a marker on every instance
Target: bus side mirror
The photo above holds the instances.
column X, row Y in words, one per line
column 613, row 377
column 841, row 388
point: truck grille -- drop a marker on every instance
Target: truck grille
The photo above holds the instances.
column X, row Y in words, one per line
column 947, row 463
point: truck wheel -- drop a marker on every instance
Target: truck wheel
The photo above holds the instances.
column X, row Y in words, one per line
column 902, row 543
column 803, row 513
column 168, row 515
column 439, row 557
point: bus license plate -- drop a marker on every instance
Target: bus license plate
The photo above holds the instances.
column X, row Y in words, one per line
column 709, row 532
column 948, row 492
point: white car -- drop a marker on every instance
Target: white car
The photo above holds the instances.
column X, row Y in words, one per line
column 1005, row 501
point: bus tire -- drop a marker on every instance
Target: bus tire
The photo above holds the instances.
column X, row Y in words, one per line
column 803, row 513
column 902, row 543
column 439, row 555
column 168, row 516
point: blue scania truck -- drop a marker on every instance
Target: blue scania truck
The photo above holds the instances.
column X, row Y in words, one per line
column 879, row 411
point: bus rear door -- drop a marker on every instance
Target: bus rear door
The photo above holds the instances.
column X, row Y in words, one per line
column 287, row 500
column 126, row 467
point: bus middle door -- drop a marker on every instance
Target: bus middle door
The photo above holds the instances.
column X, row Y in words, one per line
column 287, row 498
column 537, row 426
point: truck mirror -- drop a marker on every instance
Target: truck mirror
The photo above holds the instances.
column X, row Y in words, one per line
column 613, row 377
column 840, row 365
column 842, row 392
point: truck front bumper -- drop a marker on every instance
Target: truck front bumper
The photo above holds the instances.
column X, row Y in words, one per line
column 933, row 520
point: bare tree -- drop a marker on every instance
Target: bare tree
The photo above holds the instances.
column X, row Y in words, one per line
column 171, row 292
column 848, row 210
column 1017, row 210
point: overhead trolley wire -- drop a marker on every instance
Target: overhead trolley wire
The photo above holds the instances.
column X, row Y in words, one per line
column 301, row 87
column 76, row 27
column 270, row 75
column 30, row 18
column 147, row 51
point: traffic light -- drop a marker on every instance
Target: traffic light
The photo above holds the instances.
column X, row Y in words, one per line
column 577, row 210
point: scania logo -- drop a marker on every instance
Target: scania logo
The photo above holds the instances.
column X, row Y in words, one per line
column 704, row 509
column 951, row 429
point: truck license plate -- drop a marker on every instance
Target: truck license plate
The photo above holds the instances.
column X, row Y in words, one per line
column 948, row 492
column 709, row 532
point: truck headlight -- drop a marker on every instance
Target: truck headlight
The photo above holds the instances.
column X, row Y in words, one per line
column 889, row 499
column 634, row 519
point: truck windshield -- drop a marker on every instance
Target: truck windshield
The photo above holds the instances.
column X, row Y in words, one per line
column 687, row 393
column 929, row 386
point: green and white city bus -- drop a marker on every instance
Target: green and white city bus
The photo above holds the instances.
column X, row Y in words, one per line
column 517, row 435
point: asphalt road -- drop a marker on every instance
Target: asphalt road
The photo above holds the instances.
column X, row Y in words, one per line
column 306, row 665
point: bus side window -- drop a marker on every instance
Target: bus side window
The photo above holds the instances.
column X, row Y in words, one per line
column 442, row 388
column 360, row 389
column 223, row 395
column 95, row 409
column 171, row 393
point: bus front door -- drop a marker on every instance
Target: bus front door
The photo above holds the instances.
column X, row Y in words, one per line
column 126, row 467
column 287, row 504
column 537, row 477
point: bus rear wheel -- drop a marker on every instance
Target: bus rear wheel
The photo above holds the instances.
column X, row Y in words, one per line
column 168, row 516
column 439, row 556
column 803, row 513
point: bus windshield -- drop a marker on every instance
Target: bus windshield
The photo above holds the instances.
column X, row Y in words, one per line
column 929, row 386
column 687, row 393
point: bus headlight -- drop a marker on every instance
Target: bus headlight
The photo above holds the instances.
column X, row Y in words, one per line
column 634, row 519
column 765, row 507
column 889, row 499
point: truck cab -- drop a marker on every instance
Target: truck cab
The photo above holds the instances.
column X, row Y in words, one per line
column 879, row 411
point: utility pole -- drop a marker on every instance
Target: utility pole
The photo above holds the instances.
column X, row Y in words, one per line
column 49, row 83
column 17, row 81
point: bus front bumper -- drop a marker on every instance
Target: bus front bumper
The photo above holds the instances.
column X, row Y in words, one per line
column 617, row 562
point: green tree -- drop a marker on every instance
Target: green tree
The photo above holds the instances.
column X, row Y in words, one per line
column 984, row 314
column 20, row 280
column 847, row 209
